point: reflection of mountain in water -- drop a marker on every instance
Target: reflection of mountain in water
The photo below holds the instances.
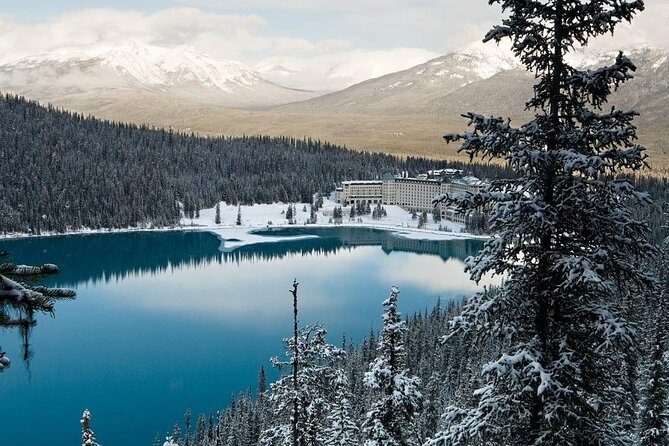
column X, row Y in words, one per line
column 104, row 257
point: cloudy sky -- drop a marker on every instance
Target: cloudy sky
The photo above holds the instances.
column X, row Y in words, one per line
column 317, row 44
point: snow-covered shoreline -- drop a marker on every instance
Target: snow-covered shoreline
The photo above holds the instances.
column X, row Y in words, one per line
column 272, row 216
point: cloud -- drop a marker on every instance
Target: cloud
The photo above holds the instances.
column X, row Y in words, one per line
column 651, row 27
column 82, row 29
column 337, row 70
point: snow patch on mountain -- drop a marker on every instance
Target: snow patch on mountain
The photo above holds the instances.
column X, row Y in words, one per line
column 148, row 65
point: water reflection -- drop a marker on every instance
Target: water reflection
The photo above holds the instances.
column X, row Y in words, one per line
column 165, row 320
column 117, row 256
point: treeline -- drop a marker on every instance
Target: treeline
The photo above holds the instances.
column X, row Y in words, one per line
column 336, row 399
column 448, row 374
column 61, row 171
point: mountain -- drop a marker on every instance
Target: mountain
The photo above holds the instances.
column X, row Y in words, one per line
column 407, row 112
column 485, row 78
column 403, row 113
column 409, row 91
column 177, row 73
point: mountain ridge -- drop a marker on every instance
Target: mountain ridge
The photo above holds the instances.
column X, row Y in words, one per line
column 180, row 72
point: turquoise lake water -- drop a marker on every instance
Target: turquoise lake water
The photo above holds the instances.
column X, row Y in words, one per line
column 165, row 321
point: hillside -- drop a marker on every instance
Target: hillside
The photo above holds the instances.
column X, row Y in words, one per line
column 62, row 171
column 403, row 113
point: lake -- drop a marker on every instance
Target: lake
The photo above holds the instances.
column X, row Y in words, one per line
column 165, row 321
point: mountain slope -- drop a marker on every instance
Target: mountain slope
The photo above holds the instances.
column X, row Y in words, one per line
column 408, row 91
column 488, row 79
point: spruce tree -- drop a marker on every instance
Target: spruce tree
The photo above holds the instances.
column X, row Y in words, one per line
column 301, row 403
column 239, row 216
column 217, row 218
column 391, row 419
column 342, row 429
column 654, row 418
column 87, row 436
column 566, row 241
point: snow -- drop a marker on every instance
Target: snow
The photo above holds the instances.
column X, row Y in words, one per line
column 659, row 62
column 263, row 216
column 149, row 64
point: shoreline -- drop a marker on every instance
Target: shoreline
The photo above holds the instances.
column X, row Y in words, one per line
column 233, row 236
column 399, row 231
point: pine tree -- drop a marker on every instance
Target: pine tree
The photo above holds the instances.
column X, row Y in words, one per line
column 301, row 403
column 87, row 436
column 201, row 431
column 239, row 216
column 436, row 214
column 187, row 426
column 262, row 382
column 566, row 240
column 217, row 218
column 654, row 419
column 175, row 437
column 342, row 429
column 313, row 218
column 391, row 419
column 289, row 213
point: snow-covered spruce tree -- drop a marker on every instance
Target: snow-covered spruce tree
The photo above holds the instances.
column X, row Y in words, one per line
column 87, row 436
column 342, row 429
column 314, row 394
column 654, row 410
column 566, row 241
column 20, row 301
column 654, row 417
column 391, row 418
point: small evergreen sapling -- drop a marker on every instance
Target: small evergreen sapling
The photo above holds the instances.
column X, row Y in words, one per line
column 87, row 436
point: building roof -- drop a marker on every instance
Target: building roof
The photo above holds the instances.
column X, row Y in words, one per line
column 361, row 182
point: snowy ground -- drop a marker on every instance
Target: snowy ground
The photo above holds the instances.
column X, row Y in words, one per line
column 260, row 216
column 273, row 215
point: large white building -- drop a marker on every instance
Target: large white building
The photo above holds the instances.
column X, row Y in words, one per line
column 412, row 194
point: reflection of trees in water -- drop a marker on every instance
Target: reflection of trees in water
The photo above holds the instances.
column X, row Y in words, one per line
column 21, row 298
column 111, row 257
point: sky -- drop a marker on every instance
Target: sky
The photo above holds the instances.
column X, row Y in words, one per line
column 313, row 44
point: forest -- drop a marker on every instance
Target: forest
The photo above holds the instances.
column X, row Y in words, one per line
column 64, row 171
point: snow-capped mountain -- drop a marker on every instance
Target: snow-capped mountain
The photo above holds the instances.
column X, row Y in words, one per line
column 412, row 88
column 180, row 72
column 482, row 77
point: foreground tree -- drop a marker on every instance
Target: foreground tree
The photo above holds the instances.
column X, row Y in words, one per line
column 391, row 419
column 302, row 401
column 566, row 241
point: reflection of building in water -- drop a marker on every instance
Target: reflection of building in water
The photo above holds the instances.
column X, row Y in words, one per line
column 460, row 249
column 413, row 194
